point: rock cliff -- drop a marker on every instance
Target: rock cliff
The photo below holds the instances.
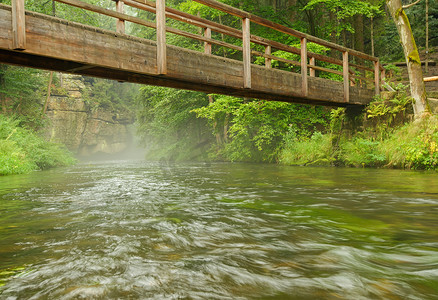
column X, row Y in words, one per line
column 85, row 129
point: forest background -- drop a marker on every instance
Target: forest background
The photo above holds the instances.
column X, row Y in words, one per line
column 179, row 125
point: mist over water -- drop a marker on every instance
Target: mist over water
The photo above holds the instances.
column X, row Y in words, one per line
column 140, row 230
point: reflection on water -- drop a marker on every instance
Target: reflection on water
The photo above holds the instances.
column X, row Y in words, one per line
column 136, row 230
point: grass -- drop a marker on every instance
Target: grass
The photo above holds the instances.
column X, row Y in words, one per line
column 23, row 151
column 411, row 146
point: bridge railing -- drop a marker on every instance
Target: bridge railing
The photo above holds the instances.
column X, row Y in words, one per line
column 365, row 70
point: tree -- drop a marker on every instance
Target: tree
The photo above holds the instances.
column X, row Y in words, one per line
column 347, row 16
column 412, row 57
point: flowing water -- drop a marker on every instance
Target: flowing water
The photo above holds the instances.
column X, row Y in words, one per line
column 138, row 230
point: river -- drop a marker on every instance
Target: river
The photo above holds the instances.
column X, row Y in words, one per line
column 142, row 230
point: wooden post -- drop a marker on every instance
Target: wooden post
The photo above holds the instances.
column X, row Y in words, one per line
column 18, row 25
column 372, row 36
column 120, row 23
column 207, row 46
column 346, row 76
column 161, row 37
column 246, row 53
column 268, row 61
column 305, row 84
column 382, row 75
column 377, row 78
column 312, row 63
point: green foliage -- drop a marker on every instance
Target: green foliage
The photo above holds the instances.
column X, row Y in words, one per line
column 361, row 152
column 417, row 17
column 344, row 10
column 166, row 125
column 109, row 94
column 256, row 128
column 13, row 159
column 415, row 145
column 22, row 151
column 382, row 144
column 21, row 92
column 384, row 113
column 337, row 117
column 316, row 150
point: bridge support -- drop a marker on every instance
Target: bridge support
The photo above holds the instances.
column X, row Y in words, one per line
column 377, row 78
column 207, row 46
column 305, row 83
column 120, row 28
column 18, row 25
column 346, row 73
column 161, row 37
column 312, row 70
column 246, row 53
column 268, row 61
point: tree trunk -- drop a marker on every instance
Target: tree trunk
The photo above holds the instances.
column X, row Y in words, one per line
column 292, row 14
column 359, row 43
column 372, row 36
column 427, row 37
column 418, row 91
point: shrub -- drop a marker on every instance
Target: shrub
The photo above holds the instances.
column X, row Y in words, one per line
column 361, row 152
column 13, row 160
column 415, row 145
column 316, row 150
column 22, row 150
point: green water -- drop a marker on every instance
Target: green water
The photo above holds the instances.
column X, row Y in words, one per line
column 138, row 230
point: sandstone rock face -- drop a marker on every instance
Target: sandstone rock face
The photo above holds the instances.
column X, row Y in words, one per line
column 85, row 130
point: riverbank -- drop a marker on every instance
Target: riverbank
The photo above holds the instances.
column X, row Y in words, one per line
column 413, row 145
column 23, row 151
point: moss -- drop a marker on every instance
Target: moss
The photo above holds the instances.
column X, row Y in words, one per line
column 414, row 57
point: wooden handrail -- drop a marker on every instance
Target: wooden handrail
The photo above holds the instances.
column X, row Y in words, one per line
column 256, row 19
column 307, row 63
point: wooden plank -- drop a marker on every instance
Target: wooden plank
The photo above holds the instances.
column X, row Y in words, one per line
column 361, row 67
column 326, row 70
column 18, row 25
column 430, row 79
column 246, row 53
column 273, row 57
column 312, row 65
column 120, row 26
column 207, row 45
column 305, row 85
column 161, row 37
column 376, row 78
column 268, row 60
column 346, row 75
column 202, row 39
column 362, row 78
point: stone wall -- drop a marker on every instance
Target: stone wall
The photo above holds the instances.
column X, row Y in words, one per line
column 85, row 129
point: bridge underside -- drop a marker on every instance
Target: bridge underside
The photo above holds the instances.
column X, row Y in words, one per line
column 58, row 45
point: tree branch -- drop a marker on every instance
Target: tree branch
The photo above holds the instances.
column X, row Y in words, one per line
column 409, row 5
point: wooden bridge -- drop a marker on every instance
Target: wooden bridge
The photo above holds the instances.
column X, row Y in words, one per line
column 41, row 41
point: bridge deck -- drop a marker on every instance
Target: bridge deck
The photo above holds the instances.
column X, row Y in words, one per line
column 59, row 45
